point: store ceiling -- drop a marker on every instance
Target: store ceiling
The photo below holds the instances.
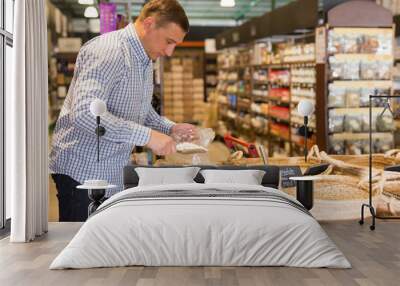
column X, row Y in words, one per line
column 200, row 12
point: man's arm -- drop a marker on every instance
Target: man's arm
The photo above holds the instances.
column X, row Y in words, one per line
column 178, row 131
column 100, row 70
column 157, row 122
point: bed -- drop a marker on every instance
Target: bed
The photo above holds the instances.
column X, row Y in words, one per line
column 201, row 224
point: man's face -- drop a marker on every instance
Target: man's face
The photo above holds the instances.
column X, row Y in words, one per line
column 161, row 41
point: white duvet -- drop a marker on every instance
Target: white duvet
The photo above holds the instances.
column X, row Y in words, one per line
column 188, row 231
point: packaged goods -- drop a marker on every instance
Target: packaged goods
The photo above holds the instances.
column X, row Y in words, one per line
column 336, row 146
column 335, row 123
column 354, row 147
column 353, row 123
column 385, row 122
column 337, row 96
column 383, row 145
column 365, row 123
column 353, row 97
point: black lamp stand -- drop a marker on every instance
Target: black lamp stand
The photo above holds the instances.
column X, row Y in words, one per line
column 96, row 196
column 305, row 137
column 100, row 131
column 369, row 205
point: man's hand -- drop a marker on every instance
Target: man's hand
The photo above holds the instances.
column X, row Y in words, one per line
column 184, row 132
column 161, row 144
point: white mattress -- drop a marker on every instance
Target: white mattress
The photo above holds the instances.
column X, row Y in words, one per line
column 200, row 231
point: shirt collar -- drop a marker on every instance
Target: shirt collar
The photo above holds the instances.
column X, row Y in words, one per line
column 136, row 44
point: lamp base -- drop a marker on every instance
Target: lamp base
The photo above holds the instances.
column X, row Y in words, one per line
column 372, row 210
column 305, row 193
column 96, row 197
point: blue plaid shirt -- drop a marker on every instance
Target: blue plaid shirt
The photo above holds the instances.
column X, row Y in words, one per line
column 113, row 67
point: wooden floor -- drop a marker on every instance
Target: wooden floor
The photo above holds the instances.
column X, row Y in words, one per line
column 375, row 257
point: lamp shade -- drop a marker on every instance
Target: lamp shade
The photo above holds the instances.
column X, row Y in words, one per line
column 305, row 108
column 227, row 3
column 86, row 2
column 91, row 12
column 98, row 107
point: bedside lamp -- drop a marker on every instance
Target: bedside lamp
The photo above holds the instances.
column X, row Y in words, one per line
column 305, row 108
column 96, row 188
column 98, row 108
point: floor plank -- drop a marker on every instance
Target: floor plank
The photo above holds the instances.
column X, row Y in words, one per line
column 375, row 257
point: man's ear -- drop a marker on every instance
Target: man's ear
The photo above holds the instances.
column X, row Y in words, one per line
column 149, row 23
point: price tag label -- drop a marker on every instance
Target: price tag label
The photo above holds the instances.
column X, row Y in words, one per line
column 285, row 172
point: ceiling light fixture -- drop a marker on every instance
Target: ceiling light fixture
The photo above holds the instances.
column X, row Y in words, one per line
column 227, row 3
column 86, row 2
column 91, row 12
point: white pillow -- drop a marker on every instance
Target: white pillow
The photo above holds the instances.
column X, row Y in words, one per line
column 248, row 177
column 163, row 176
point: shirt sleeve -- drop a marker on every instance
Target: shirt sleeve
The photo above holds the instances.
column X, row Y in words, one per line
column 157, row 122
column 99, row 70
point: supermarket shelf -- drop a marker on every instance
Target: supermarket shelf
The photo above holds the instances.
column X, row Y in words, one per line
column 260, row 82
column 279, row 120
column 309, row 63
column 260, row 98
column 278, row 100
column 280, row 66
column 280, row 85
column 355, row 110
column 361, row 136
column 359, row 56
column 244, row 111
column 363, row 83
column 275, row 58
column 66, row 56
column 286, row 64
column 243, row 94
column 301, row 145
column 261, row 134
column 303, row 84
column 278, row 137
column 244, row 108
column 260, row 66
column 231, row 81
column 233, row 68
column 260, row 114
column 369, row 31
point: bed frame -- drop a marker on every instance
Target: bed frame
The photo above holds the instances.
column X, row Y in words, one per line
column 270, row 179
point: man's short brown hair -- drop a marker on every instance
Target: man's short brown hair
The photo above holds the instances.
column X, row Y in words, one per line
column 165, row 11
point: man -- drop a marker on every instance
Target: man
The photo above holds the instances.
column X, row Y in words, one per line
column 116, row 68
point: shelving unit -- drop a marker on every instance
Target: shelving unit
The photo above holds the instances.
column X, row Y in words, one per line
column 336, row 52
column 61, row 71
column 157, row 100
column 183, row 86
column 210, row 74
column 359, row 61
column 256, row 86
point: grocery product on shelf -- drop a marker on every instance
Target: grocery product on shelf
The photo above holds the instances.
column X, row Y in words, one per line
column 360, row 41
column 183, row 84
column 262, row 86
column 299, row 53
column 360, row 62
column 211, row 73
